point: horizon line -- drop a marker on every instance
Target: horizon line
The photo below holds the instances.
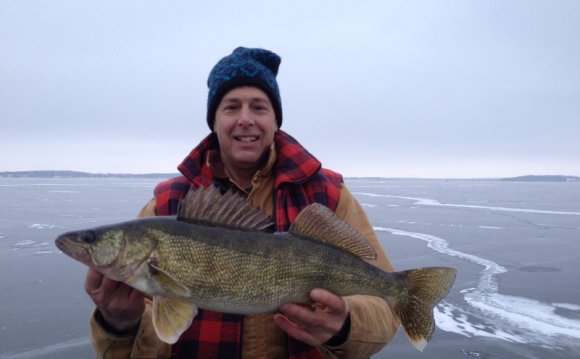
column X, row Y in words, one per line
column 75, row 173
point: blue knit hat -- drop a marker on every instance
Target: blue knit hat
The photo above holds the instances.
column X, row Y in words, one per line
column 244, row 67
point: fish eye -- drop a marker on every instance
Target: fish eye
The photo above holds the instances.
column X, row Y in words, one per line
column 88, row 237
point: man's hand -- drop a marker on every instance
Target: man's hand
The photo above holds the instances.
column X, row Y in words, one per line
column 314, row 326
column 120, row 305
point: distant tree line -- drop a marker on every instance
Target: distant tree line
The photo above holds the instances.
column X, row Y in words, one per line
column 543, row 178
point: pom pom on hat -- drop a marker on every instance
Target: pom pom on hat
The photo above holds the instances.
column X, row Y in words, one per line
column 244, row 67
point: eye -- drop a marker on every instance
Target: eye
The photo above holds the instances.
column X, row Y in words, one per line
column 230, row 107
column 261, row 107
column 88, row 237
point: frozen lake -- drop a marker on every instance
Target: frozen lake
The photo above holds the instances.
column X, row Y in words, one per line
column 516, row 246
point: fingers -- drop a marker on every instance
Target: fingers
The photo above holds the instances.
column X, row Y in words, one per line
column 110, row 287
column 135, row 295
column 120, row 305
column 328, row 301
column 300, row 316
column 314, row 325
column 294, row 330
column 102, row 290
column 93, row 280
column 110, row 295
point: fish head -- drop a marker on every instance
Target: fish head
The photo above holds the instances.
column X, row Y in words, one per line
column 92, row 247
column 111, row 250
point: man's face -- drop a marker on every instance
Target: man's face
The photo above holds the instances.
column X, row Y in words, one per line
column 245, row 124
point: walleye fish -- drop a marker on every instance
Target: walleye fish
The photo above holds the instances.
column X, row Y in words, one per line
column 216, row 255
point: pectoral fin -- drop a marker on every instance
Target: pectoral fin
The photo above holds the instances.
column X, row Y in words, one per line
column 166, row 282
column 172, row 317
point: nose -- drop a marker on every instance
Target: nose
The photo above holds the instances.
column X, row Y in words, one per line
column 246, row 118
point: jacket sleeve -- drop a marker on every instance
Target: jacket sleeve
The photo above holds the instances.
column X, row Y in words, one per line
column 373, row 323
column 143, row 344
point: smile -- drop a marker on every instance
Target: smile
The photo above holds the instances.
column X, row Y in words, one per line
column 246, row 139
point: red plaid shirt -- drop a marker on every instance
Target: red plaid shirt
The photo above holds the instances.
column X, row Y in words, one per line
column 300, row 180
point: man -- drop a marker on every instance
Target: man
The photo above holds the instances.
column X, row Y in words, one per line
column 247, row 152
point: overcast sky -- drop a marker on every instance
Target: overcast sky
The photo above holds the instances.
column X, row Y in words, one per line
column 444, row 89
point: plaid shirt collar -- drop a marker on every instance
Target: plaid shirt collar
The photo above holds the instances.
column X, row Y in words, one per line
column 287, row 159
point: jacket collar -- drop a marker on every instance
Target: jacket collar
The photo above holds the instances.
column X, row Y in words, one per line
column 295, row 164
column 291, row 161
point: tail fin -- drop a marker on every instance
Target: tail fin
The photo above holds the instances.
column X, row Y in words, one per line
column 425, row 288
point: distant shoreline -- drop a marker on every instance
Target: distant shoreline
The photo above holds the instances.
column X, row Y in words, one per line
column 543, row 178
column 79, row 174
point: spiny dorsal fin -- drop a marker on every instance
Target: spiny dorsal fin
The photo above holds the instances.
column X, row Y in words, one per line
column 321, row 224
column 209, row 206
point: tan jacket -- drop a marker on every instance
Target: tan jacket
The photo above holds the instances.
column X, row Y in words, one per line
column 373, row 323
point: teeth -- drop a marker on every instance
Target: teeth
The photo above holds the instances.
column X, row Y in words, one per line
column 247, row 139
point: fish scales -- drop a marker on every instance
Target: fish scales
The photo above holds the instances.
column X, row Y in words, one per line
column 215, row 255
column 253, row 272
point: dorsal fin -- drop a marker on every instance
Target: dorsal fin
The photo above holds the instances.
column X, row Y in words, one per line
column 209, row 206
column 319, row 223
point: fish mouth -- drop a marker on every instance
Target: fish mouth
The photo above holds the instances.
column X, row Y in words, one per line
column 73, row 249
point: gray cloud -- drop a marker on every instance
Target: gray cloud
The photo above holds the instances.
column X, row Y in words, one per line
column 397, row 88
